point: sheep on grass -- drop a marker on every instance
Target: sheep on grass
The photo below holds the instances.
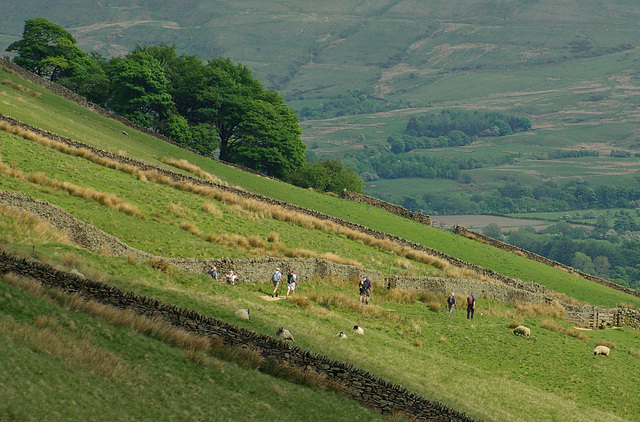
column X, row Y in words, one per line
column 284, row 334
column 242, row 313
column 358, row 330
column 601, row 350
column 522, row 330
column 341, row 334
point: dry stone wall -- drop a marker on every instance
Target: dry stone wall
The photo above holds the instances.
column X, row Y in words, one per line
column 358, row 384
column 248, row 269
column 387, row 206
column 463, row 287
column 462, row 231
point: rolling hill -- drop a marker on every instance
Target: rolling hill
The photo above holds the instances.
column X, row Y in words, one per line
column 569, row 66
column 478, row 367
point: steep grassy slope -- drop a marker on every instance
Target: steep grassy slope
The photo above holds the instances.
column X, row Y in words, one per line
column 60, row 364
column 60, row 116
column 477, row 367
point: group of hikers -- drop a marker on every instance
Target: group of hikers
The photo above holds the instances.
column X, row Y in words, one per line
column 471, row 304
column 292, row 277
column 364, row 286
column 230, row 277
column 276, row 278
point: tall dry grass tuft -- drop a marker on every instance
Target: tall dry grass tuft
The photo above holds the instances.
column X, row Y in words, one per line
column 178, row 210
column 90, row 194
column 190, row 228
column 23, row 223
column 398, row 296
column 162, row 265
column 432, row 301
column 290, row 373
column 21, row 88
column 54, row 341
column 211, row 208
column 300, row 301
column 193, row 169
column 610, row 344
column 552, row 325
column 555, row 310
column 330, row 256
column 71, row 260
column 244, row 356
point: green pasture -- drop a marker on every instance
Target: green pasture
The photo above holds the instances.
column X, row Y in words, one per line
column 154, row 381
column 431, row 354
column 154, row 239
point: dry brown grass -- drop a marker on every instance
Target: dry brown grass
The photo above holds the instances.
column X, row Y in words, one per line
column 190, row 228
column 634, row 352
column 398, row 295
column 514, row 324
column 552, row 325
column 25, row 227
column 50, row 339
column 245, row 357
column 193, row 169
column 104, row 198
column 162, row 265
column 305, row 377
column 301, row 301
column 211, row 208
column 610, row 344
column 21, row 88
column 432, row 301
column 627, row 305
column 178, row 210
column 555, row 310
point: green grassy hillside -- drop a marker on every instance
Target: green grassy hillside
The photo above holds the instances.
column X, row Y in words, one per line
column 478, row 367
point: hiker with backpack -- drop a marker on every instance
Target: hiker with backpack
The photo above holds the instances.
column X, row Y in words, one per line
column 471, row 305
column 275, row 279
column 365, row 290
column 451, row 303
column 291, row 282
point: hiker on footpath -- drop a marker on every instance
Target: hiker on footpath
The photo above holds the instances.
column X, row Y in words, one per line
column 365, row 290
column 275, row 279
column 451, row 303
column 291, row 282
column 471, row 305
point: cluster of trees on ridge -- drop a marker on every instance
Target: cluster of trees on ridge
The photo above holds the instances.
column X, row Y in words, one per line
column 208, row 106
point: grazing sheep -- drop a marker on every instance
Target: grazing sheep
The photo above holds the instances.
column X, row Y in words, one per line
column 522, row 330
column 358, row 330
column 78, row 273
column 284, row 334
column 601, row 350
column 341, row 334
column 242, row 313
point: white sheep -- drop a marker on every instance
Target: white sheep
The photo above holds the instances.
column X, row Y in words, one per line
column 341, row 334
column 284, row 334
column 358, row 330
column 522, row 330
column 242, row 313
column 601, row 350
column 77, row 273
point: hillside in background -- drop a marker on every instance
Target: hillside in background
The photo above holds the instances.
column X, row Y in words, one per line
column 408, row 340
column 358, row 71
